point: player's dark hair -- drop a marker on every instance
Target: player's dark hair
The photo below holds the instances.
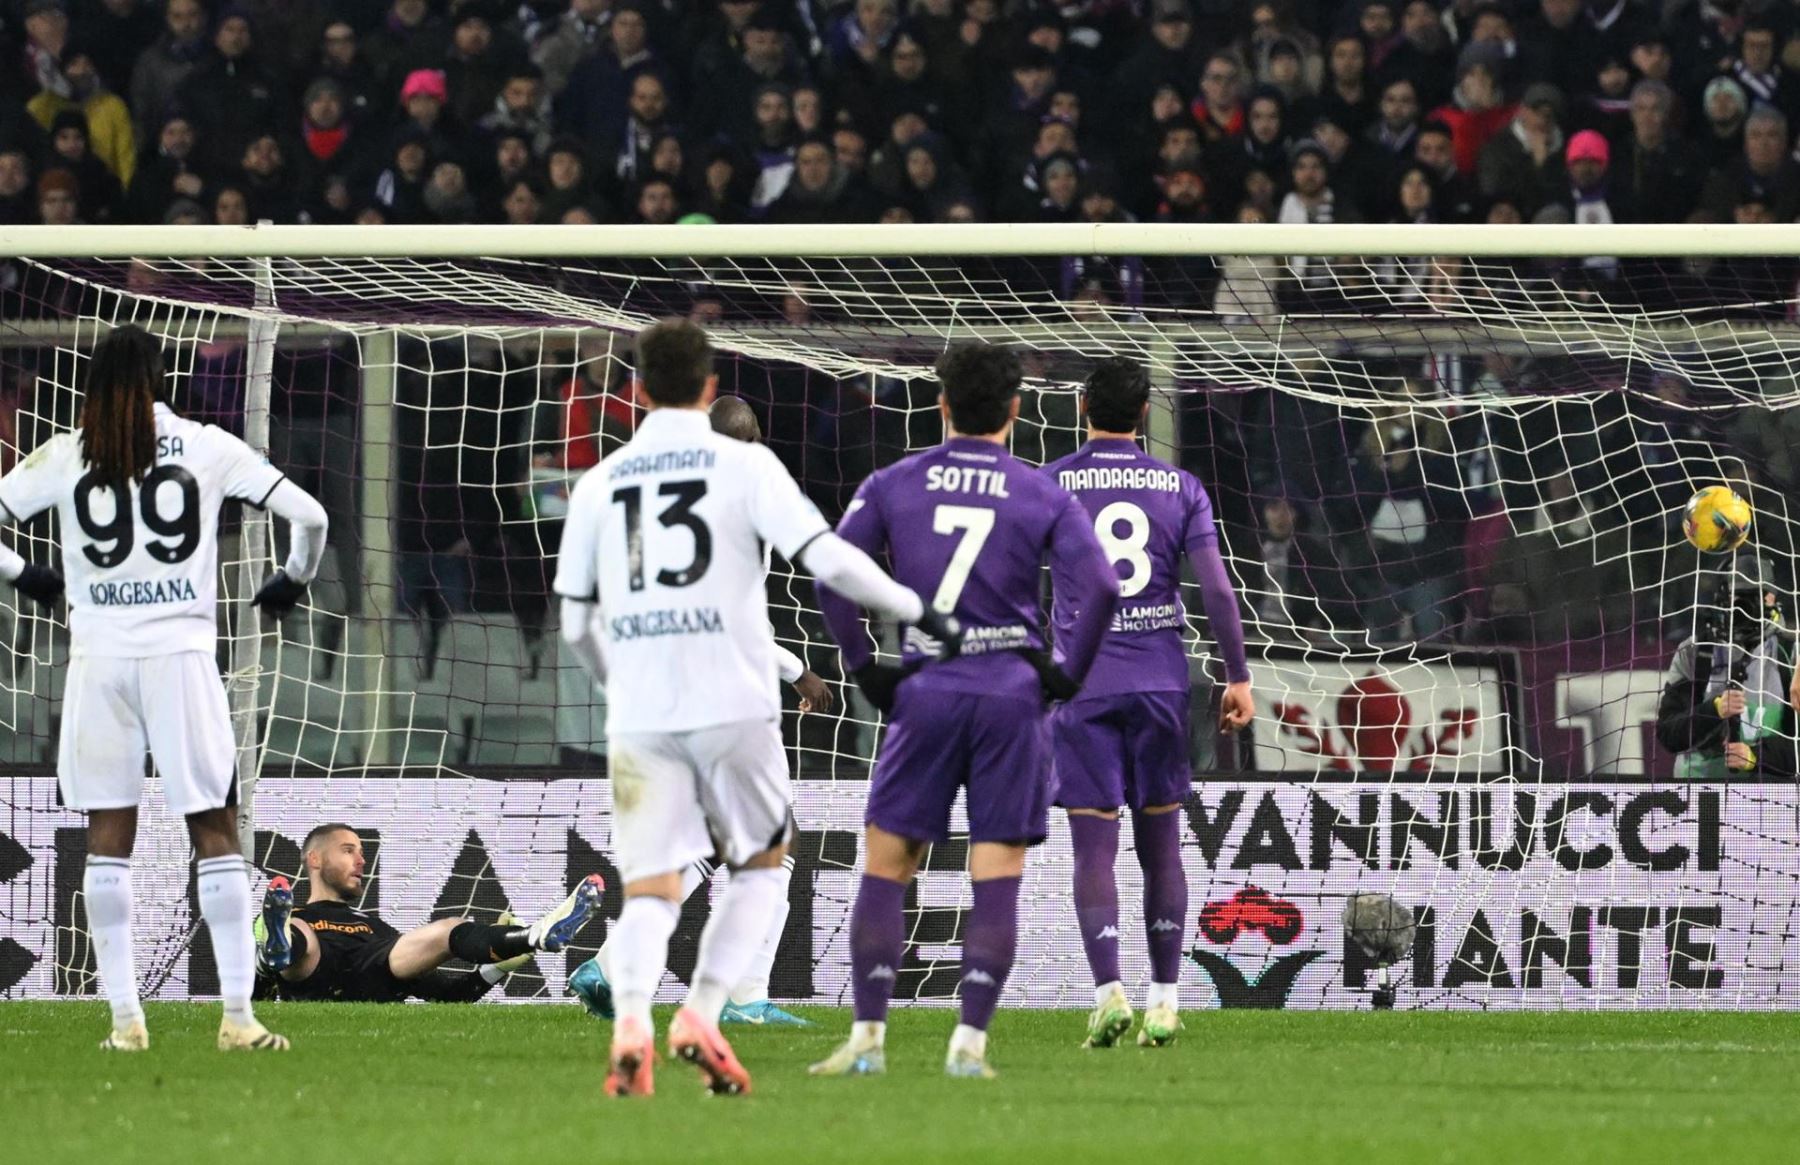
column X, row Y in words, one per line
column 118, row 419
column 980, row 381
column 323, row 831
column 1116, row 392
column 674, row 359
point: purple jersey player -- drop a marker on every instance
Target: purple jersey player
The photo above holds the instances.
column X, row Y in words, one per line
column 969, row 527
column 1124, row 740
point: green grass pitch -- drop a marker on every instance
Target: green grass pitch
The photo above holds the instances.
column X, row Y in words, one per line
column 370, row 1085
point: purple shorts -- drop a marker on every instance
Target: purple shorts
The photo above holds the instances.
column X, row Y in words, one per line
column 1130, row 749
column 939, row 741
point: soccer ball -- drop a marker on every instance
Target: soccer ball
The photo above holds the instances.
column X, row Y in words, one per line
column 1716, row 520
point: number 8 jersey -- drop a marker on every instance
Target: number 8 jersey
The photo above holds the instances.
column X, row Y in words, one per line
column 667, row 535
column 142, row 563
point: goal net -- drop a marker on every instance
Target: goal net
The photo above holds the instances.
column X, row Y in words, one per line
column 1450, row 492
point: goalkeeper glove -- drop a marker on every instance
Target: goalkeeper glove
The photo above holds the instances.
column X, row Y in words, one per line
column 41, row 584
column 1056, row 683
column 945, row 629
column 880, row 682
column 279, row 595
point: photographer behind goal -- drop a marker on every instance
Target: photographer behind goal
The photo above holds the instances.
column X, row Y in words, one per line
column 1728, row 698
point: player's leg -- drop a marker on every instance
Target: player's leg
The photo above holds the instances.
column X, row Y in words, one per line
column 592, row 981
column 743, row 786
column 750, row 998
column 100, row 770
column 1010, row 786
column 295, row 958
column 659, row 830
column 1090, row 771
column 191, row 742
column 1159, row 780
column 923, row 762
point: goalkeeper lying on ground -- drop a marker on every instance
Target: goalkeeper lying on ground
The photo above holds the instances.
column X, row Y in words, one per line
column 329, row 950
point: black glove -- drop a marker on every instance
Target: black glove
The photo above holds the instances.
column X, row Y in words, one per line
column 1057, row 684
column 41, row 584
column 943, row 628
column 279, row 594
column 879, row 682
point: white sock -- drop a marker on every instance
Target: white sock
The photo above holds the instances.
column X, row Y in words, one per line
column 754, row 986
column 107, row 887
column 640, row 950
column 734, row 933
column 968, row 1039
column 868, row 1033
column 691, row 878
column 224, row 885
column 1105, row 991
column 1164, row 995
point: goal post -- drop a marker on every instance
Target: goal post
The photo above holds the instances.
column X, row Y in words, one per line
column 1448, row 462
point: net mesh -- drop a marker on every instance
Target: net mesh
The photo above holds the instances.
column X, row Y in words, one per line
column 1450, row 494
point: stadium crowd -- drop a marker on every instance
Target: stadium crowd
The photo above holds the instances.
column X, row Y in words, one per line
column 796, row 111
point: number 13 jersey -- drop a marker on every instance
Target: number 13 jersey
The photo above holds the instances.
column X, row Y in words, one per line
column 667, row 535
column 142, row 564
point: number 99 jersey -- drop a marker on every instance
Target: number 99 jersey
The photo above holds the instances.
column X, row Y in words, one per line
column 142, row 563
column 667, row 535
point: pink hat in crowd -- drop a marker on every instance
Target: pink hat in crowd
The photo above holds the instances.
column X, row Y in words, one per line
column 1588, row 146
column 424, row 83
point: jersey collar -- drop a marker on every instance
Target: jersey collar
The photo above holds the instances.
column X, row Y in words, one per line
column 675, row 421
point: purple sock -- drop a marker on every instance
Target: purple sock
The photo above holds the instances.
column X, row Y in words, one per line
column 1158, row 837
column 877, row 940
column 989, row 940
column 1096, row 842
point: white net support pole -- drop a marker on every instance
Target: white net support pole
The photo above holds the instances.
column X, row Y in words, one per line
column 372, row 676
column 245, row 681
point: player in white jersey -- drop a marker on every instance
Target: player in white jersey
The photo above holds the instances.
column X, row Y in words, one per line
column 749, row 1001
column 661, row 576
column 137, row 491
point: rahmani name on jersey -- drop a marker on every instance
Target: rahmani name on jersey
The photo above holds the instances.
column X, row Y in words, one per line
column 667, row 535
column 142, row 564
column 969, row 527
column 1147, row 516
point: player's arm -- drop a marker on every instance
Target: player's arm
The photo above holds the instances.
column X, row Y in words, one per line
column 1219, row 598
column 577, row 581
column 251, row 478
column 1088, row 586
column 786, row 519
column 24, row 493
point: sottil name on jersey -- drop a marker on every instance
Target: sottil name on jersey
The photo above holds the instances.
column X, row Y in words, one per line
column 956, row 479
column 137, row 593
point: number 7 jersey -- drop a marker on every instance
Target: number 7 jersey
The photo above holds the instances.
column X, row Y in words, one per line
column 667, row 535
column 142, row 563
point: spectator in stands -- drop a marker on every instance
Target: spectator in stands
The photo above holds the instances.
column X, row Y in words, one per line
column 165, row 172
column 1348, row 96
column 409, row 37
column 1395, row 130
column 328, row 142
column 1523, row 163
column 577, row 35
column 521, row 203
column 1283, row 71
column 58, row 198
column 115, row 32
column 1219, row 110
column 725, row 101
column 657, row 202
column 1477, row 109
column 1764, row 172
column 647, row 118
column 571, row 182
column 269, row 181
column 1458, row 199
column 522, row 107
column 861, row 36
column 231, row 206
column 447, row 196
column 101, row 195
column 1758, row 70
column 1656, row 175
column 1415, row 513
column 400, row 186
column 772, row 146
column 166, row 65
column 1167, row 55
column 1562, row 574
column 40, row 62
column 1313, row 200
column 18, row 204
column 722, row 191
column 1295, row 583
column 1273, row 28
column 340, row 59
column 108, row 121
column 1725, row 108
column 594, row 103
column 1427, row 56
column 231, row 96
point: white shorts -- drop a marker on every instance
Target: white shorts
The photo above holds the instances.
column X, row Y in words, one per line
column 173, row 707
column 682, row 796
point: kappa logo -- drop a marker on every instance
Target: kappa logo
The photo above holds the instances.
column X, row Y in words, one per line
column 882, row 971
column 1111, row 932
column 1164, row 924
column 979, row 977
